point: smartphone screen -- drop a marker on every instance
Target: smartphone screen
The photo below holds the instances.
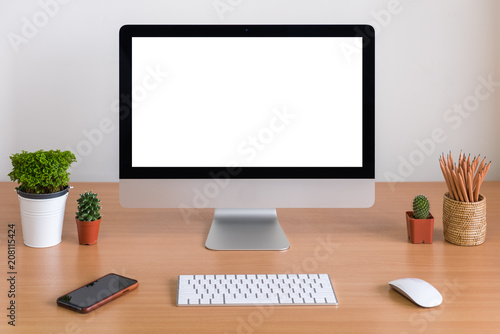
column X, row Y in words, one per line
column 97, row 293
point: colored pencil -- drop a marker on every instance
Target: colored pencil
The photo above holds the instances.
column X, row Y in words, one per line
column 465, row 177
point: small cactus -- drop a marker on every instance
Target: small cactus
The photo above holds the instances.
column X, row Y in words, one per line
column 88, row 207
column 420, row 207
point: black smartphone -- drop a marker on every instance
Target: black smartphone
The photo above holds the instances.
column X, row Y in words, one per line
column 97, row 293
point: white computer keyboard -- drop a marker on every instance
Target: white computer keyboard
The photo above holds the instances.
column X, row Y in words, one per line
column 248, row 290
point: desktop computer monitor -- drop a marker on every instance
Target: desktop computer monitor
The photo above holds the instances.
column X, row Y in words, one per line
column 246, row 119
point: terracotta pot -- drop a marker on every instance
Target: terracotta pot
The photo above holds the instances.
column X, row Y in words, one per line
column 420, row 231
column 88, row 231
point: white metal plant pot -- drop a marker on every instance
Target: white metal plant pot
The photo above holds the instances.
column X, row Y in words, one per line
column 42, row 217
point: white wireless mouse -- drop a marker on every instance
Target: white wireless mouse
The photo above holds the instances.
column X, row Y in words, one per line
column 418, row 291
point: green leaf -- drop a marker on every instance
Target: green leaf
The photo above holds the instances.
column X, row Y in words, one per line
column 88, row 207
column 41, row 172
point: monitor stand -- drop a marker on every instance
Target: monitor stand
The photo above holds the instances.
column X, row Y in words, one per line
column 246, row 229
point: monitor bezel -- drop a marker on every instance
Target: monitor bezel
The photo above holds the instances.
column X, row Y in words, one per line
column 127, row 32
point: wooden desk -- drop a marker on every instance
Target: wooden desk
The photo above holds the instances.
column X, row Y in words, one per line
column 361, row 249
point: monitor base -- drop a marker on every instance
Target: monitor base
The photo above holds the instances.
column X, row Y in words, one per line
column 246, row 229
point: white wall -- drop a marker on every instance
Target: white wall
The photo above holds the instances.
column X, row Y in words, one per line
column 59, row 81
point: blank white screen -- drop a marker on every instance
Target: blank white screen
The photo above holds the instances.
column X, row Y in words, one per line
column 258, row 102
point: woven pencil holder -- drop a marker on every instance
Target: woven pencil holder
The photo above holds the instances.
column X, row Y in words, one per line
column 464, row 223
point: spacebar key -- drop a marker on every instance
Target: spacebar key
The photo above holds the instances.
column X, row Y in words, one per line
column 232, row 300
column 250, row 300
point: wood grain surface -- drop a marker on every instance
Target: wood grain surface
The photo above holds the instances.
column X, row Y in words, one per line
column 361, row 249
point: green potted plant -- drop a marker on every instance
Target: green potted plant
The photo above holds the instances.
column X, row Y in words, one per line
column 88, row 218
column 420, row 222
column 42, row 178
